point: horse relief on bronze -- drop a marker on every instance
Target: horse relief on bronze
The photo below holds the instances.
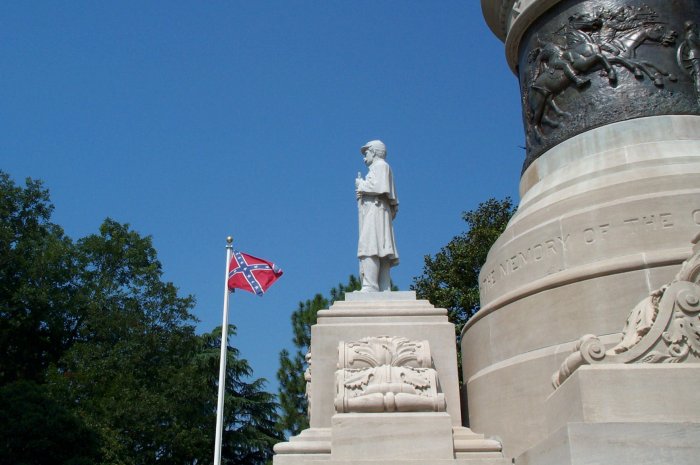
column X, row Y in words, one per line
column 591, row 63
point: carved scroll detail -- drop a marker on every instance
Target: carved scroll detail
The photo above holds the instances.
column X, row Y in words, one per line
column 386, row 374
column 662, row 328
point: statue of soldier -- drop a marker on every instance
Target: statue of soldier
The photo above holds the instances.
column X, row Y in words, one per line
column 377, row 204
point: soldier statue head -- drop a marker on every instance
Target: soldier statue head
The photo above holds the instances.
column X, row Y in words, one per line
column 376, row 146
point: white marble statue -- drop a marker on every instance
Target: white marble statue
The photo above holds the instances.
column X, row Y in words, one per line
column 378, row 204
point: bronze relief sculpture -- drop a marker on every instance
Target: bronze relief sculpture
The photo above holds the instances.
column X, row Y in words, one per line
column 594, row 63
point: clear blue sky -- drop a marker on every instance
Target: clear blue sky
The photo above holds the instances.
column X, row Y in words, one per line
column 195, row 120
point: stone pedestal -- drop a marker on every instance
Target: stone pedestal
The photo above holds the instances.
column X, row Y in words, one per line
column 605, row 218
column 622, row 414
column 610, row 201
column 381, row 436
column 381, row 334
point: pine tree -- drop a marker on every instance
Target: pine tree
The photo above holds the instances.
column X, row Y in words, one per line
column 292, row 393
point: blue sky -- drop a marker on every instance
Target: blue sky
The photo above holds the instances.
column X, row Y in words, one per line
column 195, row 120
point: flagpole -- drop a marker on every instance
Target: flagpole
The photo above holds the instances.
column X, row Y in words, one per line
column 222, row 361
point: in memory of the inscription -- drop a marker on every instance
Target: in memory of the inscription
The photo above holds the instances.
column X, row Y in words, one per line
column 549, row 253
column 642, row 223
column 533, row 254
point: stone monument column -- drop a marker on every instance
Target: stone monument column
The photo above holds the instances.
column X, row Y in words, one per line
column 610, row 194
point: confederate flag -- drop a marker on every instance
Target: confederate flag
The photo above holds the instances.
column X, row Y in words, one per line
column 251, row 274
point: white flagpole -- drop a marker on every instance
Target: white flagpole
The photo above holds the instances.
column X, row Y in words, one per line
column 222, row 362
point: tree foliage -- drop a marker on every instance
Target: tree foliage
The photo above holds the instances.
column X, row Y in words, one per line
column 40, row 302
column 250, row 413
column 38, row 430
column 292, row 391
column 95, row 337
column 450, row 279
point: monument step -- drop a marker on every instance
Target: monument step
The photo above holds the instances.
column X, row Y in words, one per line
column 373, row 308
column 302, row 448
column 388, row 303
column 313, row 434
column 324, row 459
column 358, row 296
column 311, row 441
column 481, row 460
column 461, row 433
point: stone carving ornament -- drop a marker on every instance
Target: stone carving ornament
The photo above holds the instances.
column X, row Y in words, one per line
column 662, row 328
column 590, row 63
column 387, row 374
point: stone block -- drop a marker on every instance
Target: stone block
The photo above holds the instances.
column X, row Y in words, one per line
column 627, row 142
column 381, row 337
column 358, row 296
column 391, row 436
column 662, row 393
column 638, row 443
column 353, row 320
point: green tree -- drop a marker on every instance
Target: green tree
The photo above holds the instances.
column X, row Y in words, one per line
column 40, row 302
column 100, row 362
column 136, row 335
column 250, row 413
column 292, row 391
column 141, row 376
column 38, row 430
column 450, row 279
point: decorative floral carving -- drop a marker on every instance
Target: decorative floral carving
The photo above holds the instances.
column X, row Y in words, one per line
column 639, row 321
column 662, row 328
column 682, row 335
column 385, row 350
column 386, row 374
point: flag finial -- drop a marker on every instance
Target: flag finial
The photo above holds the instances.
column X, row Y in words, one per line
column 229, row 240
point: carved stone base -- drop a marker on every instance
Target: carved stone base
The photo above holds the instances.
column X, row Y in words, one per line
column 381, row 436
column 622, row 414
column 618, row 444
column 310, row 443
column 420, row 438
column 626, row 393
column 358, row 318
column 592, row 237
column 371, row 360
